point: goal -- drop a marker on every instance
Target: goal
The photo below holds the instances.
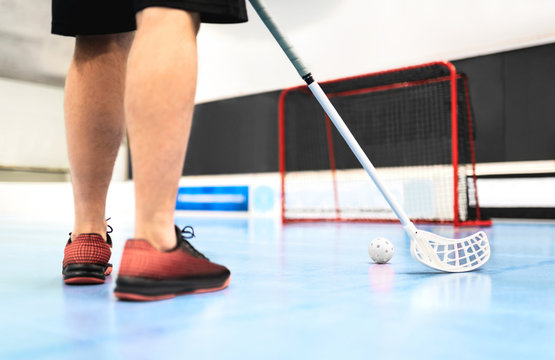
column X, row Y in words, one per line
column 416, row 126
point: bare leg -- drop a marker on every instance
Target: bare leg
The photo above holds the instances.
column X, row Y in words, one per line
column 159, row 100
column 94, row 123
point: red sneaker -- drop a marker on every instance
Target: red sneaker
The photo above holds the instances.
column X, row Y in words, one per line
column 86, row 259
column 148, row 274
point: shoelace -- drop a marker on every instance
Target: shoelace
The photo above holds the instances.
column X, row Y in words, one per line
column 188, row 233
column 110, row 229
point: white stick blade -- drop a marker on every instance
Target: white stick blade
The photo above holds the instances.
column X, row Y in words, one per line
column 450, row 255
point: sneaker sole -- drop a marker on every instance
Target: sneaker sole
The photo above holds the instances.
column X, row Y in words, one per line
column 84, row 281
column 83, row 274
column 138, row 289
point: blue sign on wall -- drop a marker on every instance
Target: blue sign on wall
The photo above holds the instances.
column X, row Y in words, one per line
column 213, row 198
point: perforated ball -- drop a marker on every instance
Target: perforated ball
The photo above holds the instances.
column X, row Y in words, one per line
column 380, row 250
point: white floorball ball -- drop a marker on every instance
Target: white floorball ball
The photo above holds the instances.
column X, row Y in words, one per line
column 380, row 250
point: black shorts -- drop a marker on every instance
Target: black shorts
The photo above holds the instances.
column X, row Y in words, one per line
column 96, row 17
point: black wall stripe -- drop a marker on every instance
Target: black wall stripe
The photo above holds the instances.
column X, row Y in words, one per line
column 512, row 95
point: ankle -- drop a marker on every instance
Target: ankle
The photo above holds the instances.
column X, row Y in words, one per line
column 161, row 238
column 89, row 229
column 87, row 225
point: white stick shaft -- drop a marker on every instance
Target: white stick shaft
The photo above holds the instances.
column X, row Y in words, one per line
column 359, row 153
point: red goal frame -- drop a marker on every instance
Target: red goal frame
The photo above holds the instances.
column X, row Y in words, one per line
column 452, row 79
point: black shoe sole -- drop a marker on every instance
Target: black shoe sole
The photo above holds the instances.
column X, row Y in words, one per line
column 78, row 274
column 143, row 289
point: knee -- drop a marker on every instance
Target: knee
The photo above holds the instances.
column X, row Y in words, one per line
column 94, row 47
column 160, row 17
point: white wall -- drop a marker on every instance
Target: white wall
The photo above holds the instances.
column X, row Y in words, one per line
column 32, row 128
column 31, row 125
column 337, row 38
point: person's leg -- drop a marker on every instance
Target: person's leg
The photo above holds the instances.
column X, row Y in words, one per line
column 94, row 128
column 94, row 116
column 159, row 101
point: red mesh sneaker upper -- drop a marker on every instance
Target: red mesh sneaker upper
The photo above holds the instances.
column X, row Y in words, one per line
column 87, row 249
column 140, row 259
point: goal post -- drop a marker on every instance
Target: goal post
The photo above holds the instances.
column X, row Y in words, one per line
column 414, row 123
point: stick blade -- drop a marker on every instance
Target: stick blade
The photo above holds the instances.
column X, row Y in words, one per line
column 450, row 255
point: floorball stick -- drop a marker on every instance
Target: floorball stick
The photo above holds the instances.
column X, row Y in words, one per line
column 437, row 252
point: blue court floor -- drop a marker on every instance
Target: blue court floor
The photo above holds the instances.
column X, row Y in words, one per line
column 306, row 291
